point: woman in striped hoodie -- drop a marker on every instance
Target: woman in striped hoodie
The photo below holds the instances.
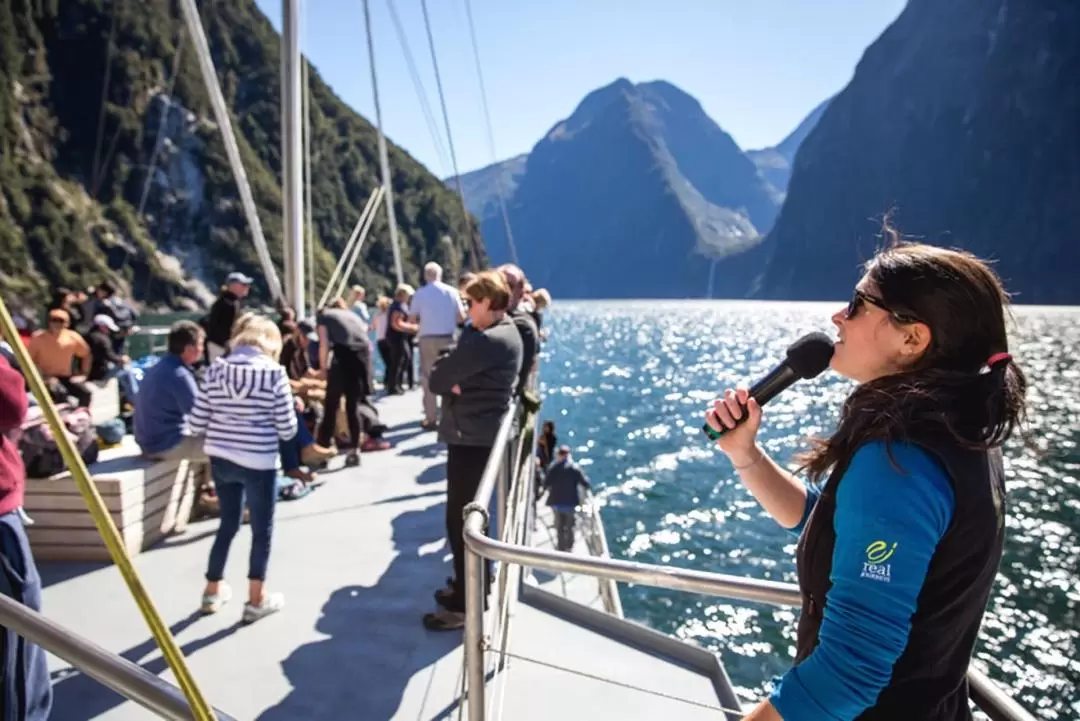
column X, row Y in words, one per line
column 245, row 408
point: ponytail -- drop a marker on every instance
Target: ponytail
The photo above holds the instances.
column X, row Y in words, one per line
column 976, row 410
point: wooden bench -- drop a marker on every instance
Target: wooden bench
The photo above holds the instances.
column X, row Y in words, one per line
column 146, row 499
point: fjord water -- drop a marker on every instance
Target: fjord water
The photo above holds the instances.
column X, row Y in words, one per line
column 627, row 382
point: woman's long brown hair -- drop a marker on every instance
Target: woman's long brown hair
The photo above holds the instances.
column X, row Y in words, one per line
column 947, row 393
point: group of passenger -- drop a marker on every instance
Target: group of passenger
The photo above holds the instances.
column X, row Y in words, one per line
column 237, row 390
column 83, row 341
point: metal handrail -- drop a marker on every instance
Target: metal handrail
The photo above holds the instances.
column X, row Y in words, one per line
column 985, row 693
column 116, row 672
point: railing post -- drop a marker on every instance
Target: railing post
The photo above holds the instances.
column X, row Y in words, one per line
column 474, row 632
column 501, row 484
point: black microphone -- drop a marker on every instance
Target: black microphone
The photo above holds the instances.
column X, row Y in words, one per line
column 807, row 357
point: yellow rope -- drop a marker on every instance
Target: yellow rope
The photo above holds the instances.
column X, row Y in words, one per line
column 105, row 526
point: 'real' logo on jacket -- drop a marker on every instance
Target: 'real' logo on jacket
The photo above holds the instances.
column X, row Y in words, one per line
column 876, row 566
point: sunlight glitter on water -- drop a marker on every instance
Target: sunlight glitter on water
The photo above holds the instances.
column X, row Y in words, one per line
column 627, row 384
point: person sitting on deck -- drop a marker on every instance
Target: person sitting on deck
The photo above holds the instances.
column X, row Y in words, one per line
column 304, row 380
column 476, row 379
column 25, row 690
column 167, row 395
column 562, row 481
column 245, row 408
column 105, row 362
column 54, row 351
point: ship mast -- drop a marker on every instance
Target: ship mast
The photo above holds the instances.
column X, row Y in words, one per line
column 292, row 198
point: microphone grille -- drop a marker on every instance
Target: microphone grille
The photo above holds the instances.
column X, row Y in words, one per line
column 810, row 355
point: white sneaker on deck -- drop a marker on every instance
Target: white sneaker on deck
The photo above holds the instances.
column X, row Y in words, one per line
column 271, row 603
column 212, row 603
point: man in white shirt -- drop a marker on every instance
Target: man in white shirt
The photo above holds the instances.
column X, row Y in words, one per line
column 438, row 309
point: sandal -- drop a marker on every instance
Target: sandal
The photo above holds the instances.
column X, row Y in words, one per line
column 375, row 444
column 294, row 492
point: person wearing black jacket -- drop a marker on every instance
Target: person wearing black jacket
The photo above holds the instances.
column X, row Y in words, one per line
column 223, row 314
column 903, row 512
column 105, row 362
column 476, row 380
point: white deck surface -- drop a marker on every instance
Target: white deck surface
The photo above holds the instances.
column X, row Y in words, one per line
column 358, row 561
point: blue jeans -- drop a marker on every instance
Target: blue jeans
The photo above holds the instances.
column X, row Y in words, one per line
column 126, row 379
column 25, row 689
column 233, row 482
column 290, row 449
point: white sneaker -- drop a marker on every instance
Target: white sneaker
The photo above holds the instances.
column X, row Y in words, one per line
column 212, row 603
column 271, row 603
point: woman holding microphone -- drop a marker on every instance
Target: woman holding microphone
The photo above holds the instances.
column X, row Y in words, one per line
column 902, row 523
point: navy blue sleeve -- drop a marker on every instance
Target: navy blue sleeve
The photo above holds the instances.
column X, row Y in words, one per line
column 888, row 523
column 185, row 389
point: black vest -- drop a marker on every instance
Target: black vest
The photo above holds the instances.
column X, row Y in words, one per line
column 928, row 681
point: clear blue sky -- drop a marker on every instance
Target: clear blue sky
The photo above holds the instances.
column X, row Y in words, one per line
column 757, row 66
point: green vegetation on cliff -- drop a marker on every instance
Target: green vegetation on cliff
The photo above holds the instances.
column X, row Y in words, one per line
column 72, row 173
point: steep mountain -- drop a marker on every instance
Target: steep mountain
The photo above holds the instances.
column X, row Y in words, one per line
column 482, row 187
column 631, row 196
column 775, row 163
column 73, row 170
column 963, row 118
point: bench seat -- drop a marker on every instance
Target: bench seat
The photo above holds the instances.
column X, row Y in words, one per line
column 146, row 499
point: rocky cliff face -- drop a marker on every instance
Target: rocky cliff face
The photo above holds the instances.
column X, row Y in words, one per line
column 964, row 119
column 775, row 163
column 631, row 196
column 75, row 205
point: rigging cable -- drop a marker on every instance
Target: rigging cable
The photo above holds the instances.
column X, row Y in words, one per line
column 104, row 97
column 384, row 156
column 499, row 187
column 418, row 86
column 469, row 236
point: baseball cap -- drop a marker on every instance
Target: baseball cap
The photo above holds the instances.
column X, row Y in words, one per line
column 107, row 321
column 238, row 277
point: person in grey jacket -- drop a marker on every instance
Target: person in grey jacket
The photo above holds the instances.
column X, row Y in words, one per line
column 477, row 380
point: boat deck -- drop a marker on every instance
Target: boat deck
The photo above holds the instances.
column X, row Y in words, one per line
column 357, row 560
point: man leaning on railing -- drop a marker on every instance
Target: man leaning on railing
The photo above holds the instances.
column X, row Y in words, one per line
column 25, row 692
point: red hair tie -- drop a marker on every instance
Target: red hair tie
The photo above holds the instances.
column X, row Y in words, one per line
column 998, row 358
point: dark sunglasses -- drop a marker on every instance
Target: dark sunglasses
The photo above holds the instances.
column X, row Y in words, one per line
column 859, row 298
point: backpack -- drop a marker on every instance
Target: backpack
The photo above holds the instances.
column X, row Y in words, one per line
column 38, row 448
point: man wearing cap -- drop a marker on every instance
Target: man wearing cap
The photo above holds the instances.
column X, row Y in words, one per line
column 562, row 481
column 224, row 312
column 105, row 362
column 54, row 351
